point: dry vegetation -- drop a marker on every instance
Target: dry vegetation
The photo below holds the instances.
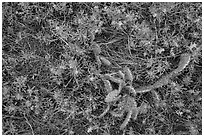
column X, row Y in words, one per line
column 61, row 63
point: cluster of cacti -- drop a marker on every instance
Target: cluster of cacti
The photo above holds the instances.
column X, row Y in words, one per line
column 128, row 103
column 101, row 68
column 125, row 80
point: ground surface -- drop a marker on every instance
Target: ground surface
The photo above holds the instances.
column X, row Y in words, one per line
column 50, row 70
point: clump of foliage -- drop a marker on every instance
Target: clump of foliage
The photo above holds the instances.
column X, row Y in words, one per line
column 55, row 53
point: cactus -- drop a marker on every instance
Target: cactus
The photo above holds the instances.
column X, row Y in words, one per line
column 128, row 74
column 127, row 119
column 109, row 77
column 121, row 74
column 108, row 85
column 105, row 112
column 112, row 96
column 131, row 90
column 105, row 61
column 144, row 89
column 184, row 60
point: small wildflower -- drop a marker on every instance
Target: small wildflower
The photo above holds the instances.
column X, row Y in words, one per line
column 19, row 96
column 11, row 108
column 57, row 95
column 20, row 81
column 72, row 63
column 56, row 71
column 28, row 103
column 31, row 90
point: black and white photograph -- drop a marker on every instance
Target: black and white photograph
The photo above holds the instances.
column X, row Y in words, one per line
column 101, row 68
